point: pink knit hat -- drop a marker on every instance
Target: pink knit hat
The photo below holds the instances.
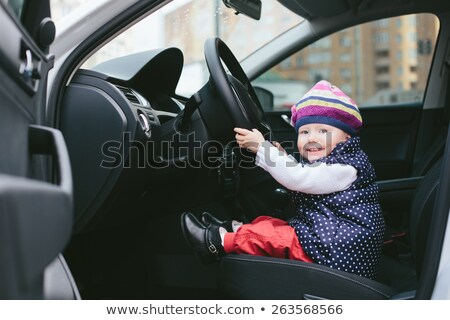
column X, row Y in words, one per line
column 327, row 104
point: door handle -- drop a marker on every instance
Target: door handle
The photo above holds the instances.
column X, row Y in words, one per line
column 27, row 69
column 49, row 141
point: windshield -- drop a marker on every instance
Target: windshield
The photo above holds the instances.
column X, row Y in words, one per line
column 62, row 8
column 186, row 24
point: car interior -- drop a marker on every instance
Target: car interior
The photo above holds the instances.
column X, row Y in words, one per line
column 141, row 155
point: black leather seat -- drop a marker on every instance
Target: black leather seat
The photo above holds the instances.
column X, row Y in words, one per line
column 252, row 277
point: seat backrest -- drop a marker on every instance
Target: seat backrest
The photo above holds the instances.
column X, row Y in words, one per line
column 432, row 155
column 421, row 212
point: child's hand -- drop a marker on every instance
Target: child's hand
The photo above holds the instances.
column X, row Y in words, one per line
column 278, row 145
column 250, row 140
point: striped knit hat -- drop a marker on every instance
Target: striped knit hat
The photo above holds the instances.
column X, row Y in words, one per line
column 327, row 104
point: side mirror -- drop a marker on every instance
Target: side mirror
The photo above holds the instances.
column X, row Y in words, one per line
column 250, row 8
column 265, row 97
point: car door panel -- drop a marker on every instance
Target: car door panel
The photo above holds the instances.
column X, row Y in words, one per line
column 389, row 137
column 35, row 176
column 35, row 219
column 16, row 113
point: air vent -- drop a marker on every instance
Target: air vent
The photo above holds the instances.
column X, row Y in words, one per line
column 130, row 95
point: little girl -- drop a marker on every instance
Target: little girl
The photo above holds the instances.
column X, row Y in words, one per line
column 339, row 222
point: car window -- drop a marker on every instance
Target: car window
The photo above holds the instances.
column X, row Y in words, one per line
column 187, row 24
column 16, row 6
column 59, row 8
column 379, row 63
column 62, row 8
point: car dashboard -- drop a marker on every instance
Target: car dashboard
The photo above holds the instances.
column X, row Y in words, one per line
column 119, row 120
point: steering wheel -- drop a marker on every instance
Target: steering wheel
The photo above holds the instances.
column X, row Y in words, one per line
column 234, row 89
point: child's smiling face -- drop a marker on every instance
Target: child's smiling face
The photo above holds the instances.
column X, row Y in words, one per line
column 316, row 140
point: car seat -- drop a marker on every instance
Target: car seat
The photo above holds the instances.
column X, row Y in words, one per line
column 254, row 277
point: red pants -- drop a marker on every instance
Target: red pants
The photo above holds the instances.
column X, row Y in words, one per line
column 266, row 236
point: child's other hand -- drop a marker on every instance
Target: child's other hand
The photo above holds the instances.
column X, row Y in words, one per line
column 251, row 140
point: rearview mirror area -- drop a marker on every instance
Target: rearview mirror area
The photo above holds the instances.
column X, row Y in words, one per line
column 250, row 8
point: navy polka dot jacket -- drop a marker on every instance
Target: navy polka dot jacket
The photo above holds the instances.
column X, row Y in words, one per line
column 343, row 230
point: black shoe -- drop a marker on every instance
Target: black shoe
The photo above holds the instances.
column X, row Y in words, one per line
column 205, row 241
column 209, row 220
